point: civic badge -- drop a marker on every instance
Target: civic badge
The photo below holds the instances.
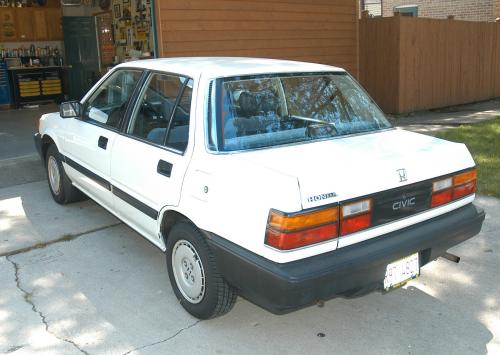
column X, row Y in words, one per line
column 402, row 175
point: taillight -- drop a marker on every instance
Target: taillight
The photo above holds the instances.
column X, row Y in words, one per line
column 453, row 188
column 355, row 216
column 291, row 231
column 287, row 232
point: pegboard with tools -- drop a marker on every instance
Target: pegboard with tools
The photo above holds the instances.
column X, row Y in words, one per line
column 133, row 29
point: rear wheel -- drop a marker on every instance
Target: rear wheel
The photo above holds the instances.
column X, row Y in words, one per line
column 193, row 273
column 60, row 185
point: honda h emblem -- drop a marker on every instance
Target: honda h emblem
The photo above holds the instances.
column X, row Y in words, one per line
column 402, row 175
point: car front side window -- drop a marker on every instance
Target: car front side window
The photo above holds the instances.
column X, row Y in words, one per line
column 107, row 105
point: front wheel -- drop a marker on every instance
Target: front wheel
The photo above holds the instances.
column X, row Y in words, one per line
column 193, row 273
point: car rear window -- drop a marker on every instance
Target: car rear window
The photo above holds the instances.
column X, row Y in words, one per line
column 269, row 110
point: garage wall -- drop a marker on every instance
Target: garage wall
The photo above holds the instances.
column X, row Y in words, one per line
column 322, row 31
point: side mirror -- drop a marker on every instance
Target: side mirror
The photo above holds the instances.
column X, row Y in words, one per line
column 70, row 109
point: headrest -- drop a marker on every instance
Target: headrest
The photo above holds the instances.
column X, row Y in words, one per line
column 248, row 104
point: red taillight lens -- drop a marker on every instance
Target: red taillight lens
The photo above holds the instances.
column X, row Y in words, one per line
column 287, row 232
column 356, row 216
column 464, row 190
column 441, row 198
column 354, row 224
column 293, row 240
column 453, row 188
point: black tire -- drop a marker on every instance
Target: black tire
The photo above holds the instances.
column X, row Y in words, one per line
column 218, row 296
column 65, row 191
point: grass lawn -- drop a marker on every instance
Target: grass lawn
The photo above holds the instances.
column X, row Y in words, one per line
column 483, row 141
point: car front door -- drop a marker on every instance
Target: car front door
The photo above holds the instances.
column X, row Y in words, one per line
column 150, row 159
column 87, row 141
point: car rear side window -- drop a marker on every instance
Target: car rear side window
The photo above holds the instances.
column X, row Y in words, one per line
column 179, row 129
column 108, row 103
column 155, row 108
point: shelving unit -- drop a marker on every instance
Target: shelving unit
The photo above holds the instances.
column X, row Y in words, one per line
column 37, row 84
column 4, row 85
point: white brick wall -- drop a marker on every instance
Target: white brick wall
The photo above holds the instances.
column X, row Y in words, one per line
column 375, row 9
column 470, row 10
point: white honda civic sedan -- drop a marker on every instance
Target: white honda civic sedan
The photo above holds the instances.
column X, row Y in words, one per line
column 278, row 181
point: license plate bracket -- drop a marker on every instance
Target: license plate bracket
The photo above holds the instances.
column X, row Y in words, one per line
column 401, row 271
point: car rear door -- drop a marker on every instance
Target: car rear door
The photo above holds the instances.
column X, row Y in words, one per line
column 87, row 141
column 150, row 159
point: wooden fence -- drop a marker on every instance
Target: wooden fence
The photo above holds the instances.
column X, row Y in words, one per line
column 409, row 64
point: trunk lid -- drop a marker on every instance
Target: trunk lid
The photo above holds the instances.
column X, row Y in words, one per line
column 345, row 168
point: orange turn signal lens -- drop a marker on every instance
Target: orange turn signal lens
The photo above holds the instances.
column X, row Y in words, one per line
column 293, row 240
column 285, row 223
column 464, row 178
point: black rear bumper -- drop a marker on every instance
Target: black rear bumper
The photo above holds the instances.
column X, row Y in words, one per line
column 345, row 272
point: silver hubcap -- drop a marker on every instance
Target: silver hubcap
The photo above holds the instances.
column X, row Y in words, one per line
column 54, row 175
column 188, row 271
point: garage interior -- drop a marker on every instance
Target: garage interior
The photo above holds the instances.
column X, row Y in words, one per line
column 52, row 50
column 55, row 50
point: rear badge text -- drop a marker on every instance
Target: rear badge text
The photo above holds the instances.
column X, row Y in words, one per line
column 407, row 202
column 321, row 197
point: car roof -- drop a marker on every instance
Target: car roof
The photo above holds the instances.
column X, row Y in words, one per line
column 214, row 67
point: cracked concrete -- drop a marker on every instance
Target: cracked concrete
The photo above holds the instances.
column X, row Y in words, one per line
column 163, row 341
column 28, row 298
column 95, row 299
column 21, row 330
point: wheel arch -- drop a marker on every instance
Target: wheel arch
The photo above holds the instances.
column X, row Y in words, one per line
column 168, row 218
column 47, row 140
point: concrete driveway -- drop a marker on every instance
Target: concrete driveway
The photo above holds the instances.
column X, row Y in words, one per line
column 90, row 284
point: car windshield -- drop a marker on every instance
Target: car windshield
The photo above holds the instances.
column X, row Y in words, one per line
column 270, row 110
